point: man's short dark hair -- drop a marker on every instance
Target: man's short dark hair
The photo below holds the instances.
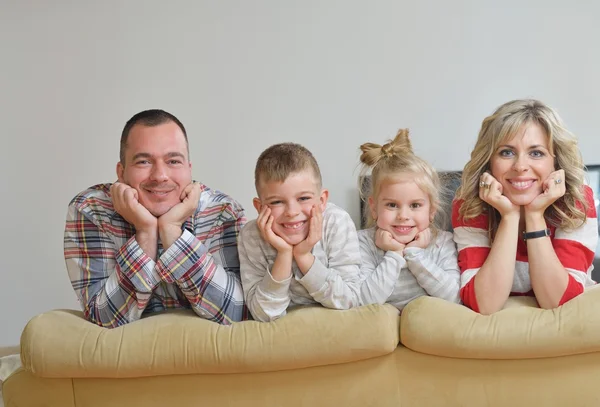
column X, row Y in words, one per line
column 152, row 117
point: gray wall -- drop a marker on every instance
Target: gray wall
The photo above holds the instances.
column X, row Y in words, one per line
column 241, row 75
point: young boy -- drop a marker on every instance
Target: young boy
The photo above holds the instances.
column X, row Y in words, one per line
column 301, row 249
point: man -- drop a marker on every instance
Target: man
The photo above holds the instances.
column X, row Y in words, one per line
column 154, row 239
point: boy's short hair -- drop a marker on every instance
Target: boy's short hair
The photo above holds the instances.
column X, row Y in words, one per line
column 279, row 161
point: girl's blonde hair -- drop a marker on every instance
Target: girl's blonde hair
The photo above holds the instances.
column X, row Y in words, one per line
column 386, row 162
column 501, row 127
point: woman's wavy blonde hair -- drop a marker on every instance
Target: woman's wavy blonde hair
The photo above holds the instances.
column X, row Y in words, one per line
column 501, row 127
column 388, row 161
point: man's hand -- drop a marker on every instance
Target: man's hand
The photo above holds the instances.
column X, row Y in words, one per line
column 422, row 239
column 490, row 191
column 302, row 251
column 552, row 189
column 125, row 202
column 169, row 224
column 265, row 226
column 386, row 242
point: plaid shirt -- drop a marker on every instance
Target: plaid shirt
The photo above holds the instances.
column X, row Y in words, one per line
column 116, row 282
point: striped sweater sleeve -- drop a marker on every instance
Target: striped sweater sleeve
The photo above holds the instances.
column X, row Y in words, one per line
column 473, row 244
column 575, row 250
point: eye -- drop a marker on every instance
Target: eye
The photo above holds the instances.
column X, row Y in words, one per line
column 142, row 162
column 274, row 203
column 174, row 162
column 506, row 153
column 304, row 198
column 537, row 154
column 391, row 205
column 415, row 205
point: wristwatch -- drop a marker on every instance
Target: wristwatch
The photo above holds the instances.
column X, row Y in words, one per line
column 536, row 234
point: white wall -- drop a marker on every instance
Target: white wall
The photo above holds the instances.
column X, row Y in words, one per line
column 243, row 75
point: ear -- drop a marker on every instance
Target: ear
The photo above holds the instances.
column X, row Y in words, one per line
column 432, row 216
column 120, row 171
column 323, row 199
column 257, row 204
column 373, row 207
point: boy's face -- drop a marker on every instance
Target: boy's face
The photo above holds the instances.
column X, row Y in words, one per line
column 290, row 202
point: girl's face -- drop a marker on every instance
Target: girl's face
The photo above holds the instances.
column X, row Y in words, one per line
column 401, row 208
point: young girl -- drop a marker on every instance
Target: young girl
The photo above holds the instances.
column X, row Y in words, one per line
column 404, row 256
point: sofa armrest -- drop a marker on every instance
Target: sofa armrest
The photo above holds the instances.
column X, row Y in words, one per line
column 62, row 344
column 520, row 331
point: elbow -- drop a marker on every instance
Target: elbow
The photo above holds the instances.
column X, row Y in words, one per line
column 488, row 310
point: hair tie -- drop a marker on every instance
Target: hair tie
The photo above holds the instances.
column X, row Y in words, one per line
column 387, row 150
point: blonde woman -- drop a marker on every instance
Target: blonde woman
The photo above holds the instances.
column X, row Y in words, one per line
column 524, row 223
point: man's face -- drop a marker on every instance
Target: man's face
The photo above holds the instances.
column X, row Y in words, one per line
column 156, row 166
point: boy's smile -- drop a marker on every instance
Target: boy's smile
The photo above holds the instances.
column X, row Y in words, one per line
column 291, row 202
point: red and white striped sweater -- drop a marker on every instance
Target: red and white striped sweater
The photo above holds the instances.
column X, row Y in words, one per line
column 575, row 250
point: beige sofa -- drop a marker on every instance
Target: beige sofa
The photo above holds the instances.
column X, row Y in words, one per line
column 436, row 354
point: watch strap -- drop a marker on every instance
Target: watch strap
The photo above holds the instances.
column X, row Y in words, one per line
column 536, row 234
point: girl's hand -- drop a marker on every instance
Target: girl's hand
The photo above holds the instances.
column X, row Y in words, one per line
column 385, row 241
column 422, row 239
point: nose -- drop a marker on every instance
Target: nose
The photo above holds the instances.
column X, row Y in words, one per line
column 292, row 209
column 159, row 173
column 520, row 164
column 403, row 213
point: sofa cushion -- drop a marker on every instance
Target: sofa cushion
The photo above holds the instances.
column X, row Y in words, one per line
column 520, row 330
column 63, row 344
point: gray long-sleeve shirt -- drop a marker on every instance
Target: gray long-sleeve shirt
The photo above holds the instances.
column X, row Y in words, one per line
column 387, row 277
column 333, row 279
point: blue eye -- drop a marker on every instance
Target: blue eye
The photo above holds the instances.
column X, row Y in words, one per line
column 506, row 153
column 537, row 154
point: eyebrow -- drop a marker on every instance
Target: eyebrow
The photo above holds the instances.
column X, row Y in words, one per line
column 529, row 148
column 147, row 155
column 268, row 198
column 395, row 200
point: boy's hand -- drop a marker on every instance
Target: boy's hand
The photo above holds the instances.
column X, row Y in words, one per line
column 265, row 226
column 126, row 204
column 386, row 242
column 315, row 231
column 302, row 251
column 553, row 188
column 422, row 239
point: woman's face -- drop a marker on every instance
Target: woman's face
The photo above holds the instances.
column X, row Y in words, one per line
column 522, row 164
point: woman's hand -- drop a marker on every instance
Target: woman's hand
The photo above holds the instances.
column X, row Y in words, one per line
column 552, row 189
column 490, row 191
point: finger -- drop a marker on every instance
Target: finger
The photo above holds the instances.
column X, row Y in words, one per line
column 129, row 197
column 263, row 217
